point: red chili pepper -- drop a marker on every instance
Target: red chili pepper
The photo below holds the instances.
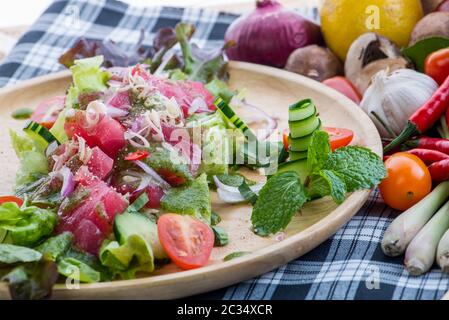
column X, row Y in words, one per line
column 428, row 156
column 440, row 170
column 4, row 199
column 137, row 155
column 425, row 117
column 438, row 144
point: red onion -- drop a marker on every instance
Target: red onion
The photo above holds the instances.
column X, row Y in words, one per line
column 68, row 184
column 251, row 114
column 269, row 34
column 153, row 174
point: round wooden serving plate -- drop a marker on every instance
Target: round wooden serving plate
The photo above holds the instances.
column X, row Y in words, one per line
column 269, row 88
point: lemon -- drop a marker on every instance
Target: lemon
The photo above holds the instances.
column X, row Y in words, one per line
column 343, row 21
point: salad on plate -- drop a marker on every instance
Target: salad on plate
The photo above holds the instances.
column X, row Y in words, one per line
column 116, row 176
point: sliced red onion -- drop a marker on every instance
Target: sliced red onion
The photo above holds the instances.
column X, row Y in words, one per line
column 68, row 183
column 114, row 112
column 118, row 73
column 130, row 135
column 94, row 111
column 257, row 115
column 198, row 104
column 230, row 194
column 145, row 180
column 51, row 148
column 153, row 174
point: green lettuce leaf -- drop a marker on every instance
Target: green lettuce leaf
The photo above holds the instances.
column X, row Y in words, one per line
column 87, row 265
column 26, row 225
column 280, row 198
column 220, row 89
column 134, row 255
column 215, row 152
column 88, row 75
column 56, row 246
column 58, row 127
column 77, row 270
column 31, row 157
column 32, row 281
column 10, row 254
column 193, row 199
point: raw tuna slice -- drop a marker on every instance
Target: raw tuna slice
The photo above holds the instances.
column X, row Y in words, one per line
column 91, row 220
column 107, row 134
column 100, row 164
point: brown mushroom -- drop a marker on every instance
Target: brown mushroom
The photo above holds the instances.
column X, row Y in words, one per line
column 314, row 62
column 369, row 54
column 435, row 24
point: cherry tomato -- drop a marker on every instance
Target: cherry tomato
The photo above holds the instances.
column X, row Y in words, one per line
column 408, row 181
column 4, row 199
column 436, row 65
column 187, row 241
column 339, row 137
column 137, row 155
column 285, row 138
column 344, row 86
column 47, row 111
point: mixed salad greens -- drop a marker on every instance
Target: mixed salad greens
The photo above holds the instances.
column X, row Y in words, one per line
column 115, row 177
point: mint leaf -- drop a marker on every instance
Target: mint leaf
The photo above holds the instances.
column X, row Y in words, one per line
column 327, row 182
column 357, row 167
column 319, row 150
column 281, row 197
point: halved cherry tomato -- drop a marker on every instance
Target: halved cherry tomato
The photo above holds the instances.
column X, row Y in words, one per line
column 137, row 155
column 187, row 241
column 344, row 86
column 408, row 181
column 4, row 199
column 339, row 137
column 436, row 65
column 285, row 138
column 47, row 111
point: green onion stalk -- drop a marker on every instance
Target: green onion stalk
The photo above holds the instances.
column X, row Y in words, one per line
column 421, row 252
column 407, row 225
column 443, row 253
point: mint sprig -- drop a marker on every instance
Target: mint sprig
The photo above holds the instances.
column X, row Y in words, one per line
column 331, row 173
column 281, row 197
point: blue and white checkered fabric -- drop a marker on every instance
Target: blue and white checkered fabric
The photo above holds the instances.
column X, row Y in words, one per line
column 350, row 265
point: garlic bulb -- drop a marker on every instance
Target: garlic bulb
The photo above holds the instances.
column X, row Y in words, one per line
column 394, row 97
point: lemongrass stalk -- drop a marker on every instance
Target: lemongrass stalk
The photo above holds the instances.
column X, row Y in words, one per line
column 405, row 227
column 443, row 253
column 421, row 252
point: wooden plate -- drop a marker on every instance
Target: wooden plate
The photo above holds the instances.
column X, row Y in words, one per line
column 269, row 88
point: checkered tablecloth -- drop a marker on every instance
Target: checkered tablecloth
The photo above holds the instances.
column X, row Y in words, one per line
column 350, row 265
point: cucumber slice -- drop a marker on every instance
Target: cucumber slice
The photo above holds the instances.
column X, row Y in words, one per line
column 299, row 144
column 301, row 110
column 129, row 223
column 304, row 127
column 39, row 133
column 233, row 118
column 297, row 155
column 298, row 166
